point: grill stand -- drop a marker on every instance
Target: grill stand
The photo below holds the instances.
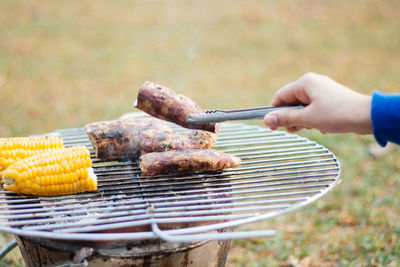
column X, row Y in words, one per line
column 48, row 252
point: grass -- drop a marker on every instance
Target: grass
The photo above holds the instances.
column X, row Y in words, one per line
column 64, row 64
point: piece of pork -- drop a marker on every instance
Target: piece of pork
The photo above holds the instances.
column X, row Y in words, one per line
column 166, row 104
column 186, row 161
column 129, row 138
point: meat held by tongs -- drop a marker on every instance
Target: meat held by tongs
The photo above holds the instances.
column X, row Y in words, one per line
column 166, row 104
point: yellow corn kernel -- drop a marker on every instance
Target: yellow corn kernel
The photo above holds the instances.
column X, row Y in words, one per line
column 46, row 174
column 15, row 148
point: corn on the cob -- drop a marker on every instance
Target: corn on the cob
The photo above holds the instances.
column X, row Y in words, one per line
column 16, row 148
column 57, row 172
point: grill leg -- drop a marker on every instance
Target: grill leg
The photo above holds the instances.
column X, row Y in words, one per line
column 7, row 248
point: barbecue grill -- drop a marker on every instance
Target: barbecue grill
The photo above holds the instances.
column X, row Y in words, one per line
column 170, row 219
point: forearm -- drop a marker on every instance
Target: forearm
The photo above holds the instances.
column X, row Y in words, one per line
column 385, row 116
column 357, row 117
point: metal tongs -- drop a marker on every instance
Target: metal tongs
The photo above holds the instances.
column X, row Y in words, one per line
column 235, row 114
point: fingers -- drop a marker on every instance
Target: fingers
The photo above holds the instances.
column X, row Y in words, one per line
column 295, row 129
column 271, row 121
column 294, row 92
column 306, row 90
column 285, row 95
column 292, row 119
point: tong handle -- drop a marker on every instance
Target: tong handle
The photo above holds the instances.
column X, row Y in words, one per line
column 238, row 114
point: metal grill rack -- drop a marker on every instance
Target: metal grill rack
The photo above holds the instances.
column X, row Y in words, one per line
column 279, row 172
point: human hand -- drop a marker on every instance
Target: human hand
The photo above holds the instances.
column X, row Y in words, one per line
column 331, row 107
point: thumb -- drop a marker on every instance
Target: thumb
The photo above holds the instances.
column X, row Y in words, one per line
column 284, row 118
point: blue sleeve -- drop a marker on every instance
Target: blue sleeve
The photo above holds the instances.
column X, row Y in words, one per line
column 385, row 116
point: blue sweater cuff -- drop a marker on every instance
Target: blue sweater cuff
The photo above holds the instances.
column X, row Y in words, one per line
column 385, row 117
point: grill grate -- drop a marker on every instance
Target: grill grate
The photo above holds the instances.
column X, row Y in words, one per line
column 279, row 172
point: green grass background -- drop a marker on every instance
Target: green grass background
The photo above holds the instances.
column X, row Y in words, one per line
column 67, row 63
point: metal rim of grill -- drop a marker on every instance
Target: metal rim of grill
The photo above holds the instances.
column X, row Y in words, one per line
column 280, row 172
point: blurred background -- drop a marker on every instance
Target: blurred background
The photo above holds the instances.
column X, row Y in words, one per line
column 67, row 63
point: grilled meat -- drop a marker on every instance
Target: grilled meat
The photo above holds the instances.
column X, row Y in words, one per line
column 186, row 161
column 130, row 138
column 164, row 103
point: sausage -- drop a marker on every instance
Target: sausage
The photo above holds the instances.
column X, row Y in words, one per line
column 166, row 104
column 186, row 161
column 130, row 138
